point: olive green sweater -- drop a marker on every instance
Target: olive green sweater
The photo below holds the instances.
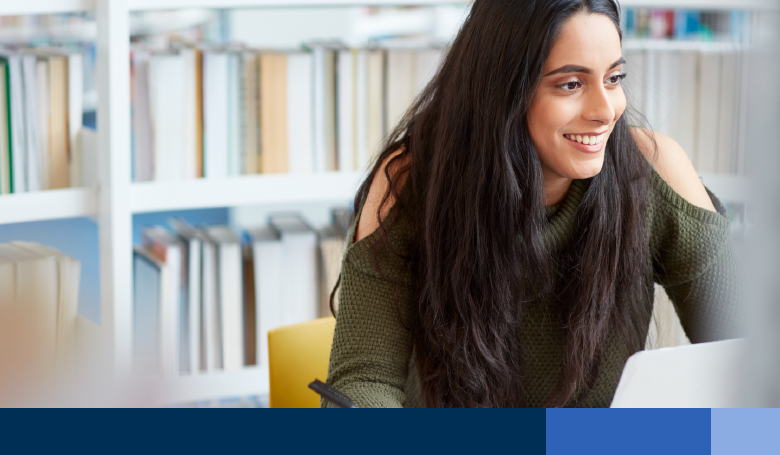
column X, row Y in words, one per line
column 692, row 255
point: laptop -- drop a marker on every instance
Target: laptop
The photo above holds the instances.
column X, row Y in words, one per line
column 704, row 375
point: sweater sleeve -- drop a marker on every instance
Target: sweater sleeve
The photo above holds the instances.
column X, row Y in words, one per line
column 372, row 343
column 695, row 260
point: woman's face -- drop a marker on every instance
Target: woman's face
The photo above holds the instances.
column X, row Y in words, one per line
column 579, row 97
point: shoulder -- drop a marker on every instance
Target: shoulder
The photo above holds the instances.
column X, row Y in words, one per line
column 672, row 164
column 371, row 213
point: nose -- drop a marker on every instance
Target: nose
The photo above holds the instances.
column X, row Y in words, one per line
column 599, row 106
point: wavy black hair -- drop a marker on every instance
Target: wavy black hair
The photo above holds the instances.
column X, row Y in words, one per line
column 475, row 193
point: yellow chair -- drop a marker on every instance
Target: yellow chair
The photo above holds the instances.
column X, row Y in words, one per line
column 297, row 354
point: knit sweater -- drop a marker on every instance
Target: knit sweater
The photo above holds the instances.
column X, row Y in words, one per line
column 690, row 248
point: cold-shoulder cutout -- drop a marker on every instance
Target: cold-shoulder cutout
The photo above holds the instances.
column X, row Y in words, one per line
column 672, row 164
column 368, row 221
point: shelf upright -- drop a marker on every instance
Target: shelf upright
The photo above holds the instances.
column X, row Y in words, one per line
column 115, row 219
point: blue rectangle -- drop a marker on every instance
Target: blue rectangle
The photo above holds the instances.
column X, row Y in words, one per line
column 753, row 431
column 623, row 431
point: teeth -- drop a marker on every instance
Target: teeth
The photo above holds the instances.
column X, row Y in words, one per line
column 589, row 140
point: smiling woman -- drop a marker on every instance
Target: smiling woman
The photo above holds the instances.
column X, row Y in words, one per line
column 509, row 235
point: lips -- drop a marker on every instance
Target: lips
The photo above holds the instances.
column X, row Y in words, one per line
column 586, row 143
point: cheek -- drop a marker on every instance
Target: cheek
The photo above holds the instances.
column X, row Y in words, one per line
column 546, row 117
column 618, row 100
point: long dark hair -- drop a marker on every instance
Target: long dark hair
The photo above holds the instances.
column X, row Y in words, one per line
column 475, row 195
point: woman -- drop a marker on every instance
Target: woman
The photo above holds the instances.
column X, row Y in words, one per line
column 509, row 235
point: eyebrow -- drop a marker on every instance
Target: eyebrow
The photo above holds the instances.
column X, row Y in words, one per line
column 581, row 69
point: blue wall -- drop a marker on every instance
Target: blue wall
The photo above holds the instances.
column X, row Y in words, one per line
column 78, row 237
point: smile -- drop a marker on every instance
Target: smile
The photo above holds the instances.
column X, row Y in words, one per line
column 586, row 143
column 587, row 140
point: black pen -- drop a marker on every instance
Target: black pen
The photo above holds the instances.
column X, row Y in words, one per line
column 331, row 394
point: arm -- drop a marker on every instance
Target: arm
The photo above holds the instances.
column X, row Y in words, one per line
column 694, row 258
column 372, row 344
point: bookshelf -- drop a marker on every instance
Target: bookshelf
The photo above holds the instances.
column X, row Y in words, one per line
column 48, row 205
column 116, row 199
column 243, row 190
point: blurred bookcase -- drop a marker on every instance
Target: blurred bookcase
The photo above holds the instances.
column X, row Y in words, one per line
column 115, row 198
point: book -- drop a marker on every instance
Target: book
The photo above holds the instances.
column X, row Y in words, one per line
column 143, row 158
column 5, row 131
column 230, row 281
column 300, row 292
column 210, row 330
column 401, row 84
column 43, row 111
column 324, row 106
column 66, row 284
column 274, row 155
column 147, row 282
column 426, row 67
column 250, row 301
column 216, row 105
column 235, row 150
column 683, row 127
column 345, row 109
column 167, row 100
column 41, row 285
column 192, row 240
column 267, row 254
column 16, row 128
column 75, row 109
column 250, row 112
column 332, row 245
column 192, row 113
column 300, row 138
column 375, row 115
column 198, row 60
column 727, row 115
column 708, row 111
column 166, row 249
column 361, row 111
column 30, row 105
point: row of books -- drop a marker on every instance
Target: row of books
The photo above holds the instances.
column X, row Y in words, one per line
column 39, row 288
column 41, row 108
column 685, row 24
column 214, row 112
column 204, row 300
column 697, row 98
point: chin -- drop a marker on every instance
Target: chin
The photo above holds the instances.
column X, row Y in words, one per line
column 586, row 170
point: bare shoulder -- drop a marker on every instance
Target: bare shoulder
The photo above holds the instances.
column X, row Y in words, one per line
column 369, row 218
column 673, row 165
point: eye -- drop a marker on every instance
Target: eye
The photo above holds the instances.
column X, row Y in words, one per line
column 616, row 79
column 570, row 86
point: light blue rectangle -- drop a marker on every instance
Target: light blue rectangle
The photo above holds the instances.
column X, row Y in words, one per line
column 748, row 431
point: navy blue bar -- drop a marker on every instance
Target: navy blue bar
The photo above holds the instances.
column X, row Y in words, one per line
column 316, row 431
column 628, row 431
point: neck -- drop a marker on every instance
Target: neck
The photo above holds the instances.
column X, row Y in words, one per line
column 555, row 188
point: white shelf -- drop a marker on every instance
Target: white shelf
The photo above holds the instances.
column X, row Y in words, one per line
column 9, row 8
column 177, row 4
column 243, row 191
column 14, row 8
column 675, row 45
column 135, row 5
column 221, row 384
column 703, row 4
column 48, row 205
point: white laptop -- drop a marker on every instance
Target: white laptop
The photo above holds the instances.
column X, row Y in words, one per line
column 705, row 375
